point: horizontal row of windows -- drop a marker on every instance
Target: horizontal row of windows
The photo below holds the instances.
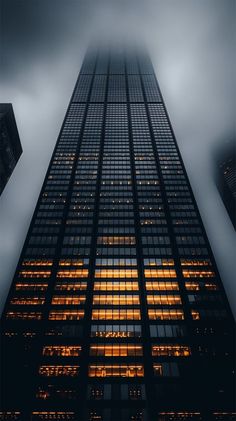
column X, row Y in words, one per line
column 118, row 286
column 123, row 314
column 109, row 370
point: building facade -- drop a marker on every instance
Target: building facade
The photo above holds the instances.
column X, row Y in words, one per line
column 10, row 146
column 116, row 311
column 225, row 176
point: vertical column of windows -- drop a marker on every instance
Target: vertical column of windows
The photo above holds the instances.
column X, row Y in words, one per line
column 189, row 236
column 63, row 341
column 35, row 272
column 161, row 291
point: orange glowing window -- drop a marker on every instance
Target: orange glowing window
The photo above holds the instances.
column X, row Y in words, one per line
column 62, row 350
column 116, row 370
column 116, row 273
column 195, row 286
column 73, row 262
column 116, row 286
column 34, row 273
column 31, row 287
column 159, row 273
column 157, row 368
column 37, row 262
column 192, row 286
column 170, row 351
column 71, row 286
column 159, row 314
column 195, row 314
column 158, row 262
column 76, row 273
column 192, row 262
column 116, row 300
column 164, row 299
column 116, row 350
column 198, row 273
column 68, row 299
column 162, row 286
column 59, row 370
column 123, row 314
column 66, row 315
column 111, row 241
column 28, row 301
column 23, row 315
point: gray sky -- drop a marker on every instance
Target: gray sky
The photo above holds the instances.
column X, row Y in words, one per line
column 192, row 44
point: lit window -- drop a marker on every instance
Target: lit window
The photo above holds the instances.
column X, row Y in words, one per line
column 158, row 262
column 195, row 314
column 170, row 350
column 116, row 273
column 28, row 301
column 162, row 286
column 192, row 286
column 116, row 286
column 59, row 370
column 164, row 299
column 68, row 300
column 73, row 262
column 198, row 273
column 191, row 262
column 116, row 350
column 31, row 287
column 62, row 350
column 77, row 273
column 71, row 286
column 66, row 315
column 116, row 370
column 116, row 300
column 23, row 316
column 37, row 262
column 159, row 314
column 159, row 273
column 110, row 241
column 34, row 273
column 123, row 314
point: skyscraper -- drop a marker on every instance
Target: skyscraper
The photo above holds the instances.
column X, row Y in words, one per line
column 10, row 146
column 116, row 311
column 225, row 175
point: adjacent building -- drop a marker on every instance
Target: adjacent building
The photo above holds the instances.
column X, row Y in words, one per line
column 116, row 311
column 10, row 146
column 226, row 178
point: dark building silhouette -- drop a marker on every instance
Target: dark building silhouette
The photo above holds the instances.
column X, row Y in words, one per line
column 117, row 311
column 10, row 146
column 225, row 176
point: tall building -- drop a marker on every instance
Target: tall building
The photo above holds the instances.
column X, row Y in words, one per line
column 226, row 178
column 116, row 311
column 10, row 146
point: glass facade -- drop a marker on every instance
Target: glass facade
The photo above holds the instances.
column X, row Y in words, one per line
column 10, row 145
column 116, row 311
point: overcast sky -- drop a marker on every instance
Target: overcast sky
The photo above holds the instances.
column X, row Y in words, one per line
column 192, row 44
